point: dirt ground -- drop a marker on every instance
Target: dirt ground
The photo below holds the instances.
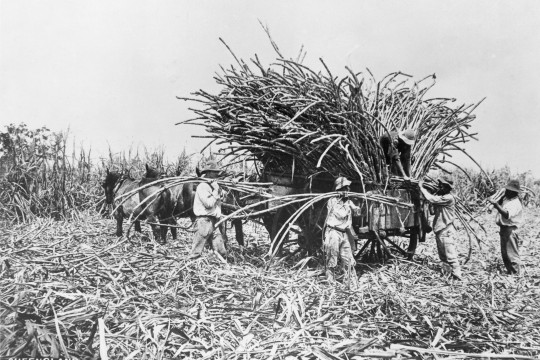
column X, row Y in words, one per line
column 73, row 287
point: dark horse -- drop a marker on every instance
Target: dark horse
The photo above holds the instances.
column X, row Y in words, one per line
column 182, row 197
column 151, row 203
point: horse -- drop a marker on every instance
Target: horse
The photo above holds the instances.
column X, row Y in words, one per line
column 151, row 203
column 182, row 197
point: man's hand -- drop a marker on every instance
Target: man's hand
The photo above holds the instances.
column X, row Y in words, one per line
column 216, row 189
column 493, row 202
column 406, row 178
column 421, row 183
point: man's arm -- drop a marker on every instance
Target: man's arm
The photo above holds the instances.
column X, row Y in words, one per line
column 434, row 199
column 330, row 203
column 355, row 209
column 400, row 168
column 406, row 162
column 429, row 196
column 499, row 208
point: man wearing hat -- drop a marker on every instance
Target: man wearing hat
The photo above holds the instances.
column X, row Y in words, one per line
column 336, row 244
column 207, row 210
column 443, row 225
column 509, row 217
column 397, row 150
column 397, row 146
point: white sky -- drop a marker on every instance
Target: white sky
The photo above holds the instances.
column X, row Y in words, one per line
column 111, row 70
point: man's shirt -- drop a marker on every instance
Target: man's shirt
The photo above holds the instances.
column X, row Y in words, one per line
column 340, row 213
column 515, row 212
column 445, row 210
column 207, row 202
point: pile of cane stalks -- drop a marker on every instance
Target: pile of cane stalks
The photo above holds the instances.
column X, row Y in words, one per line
column 289, row 117
column 73, row 289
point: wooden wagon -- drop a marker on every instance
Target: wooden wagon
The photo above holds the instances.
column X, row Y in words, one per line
column 379, row 230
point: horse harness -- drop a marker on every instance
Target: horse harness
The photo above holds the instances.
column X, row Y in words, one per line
column 118, row 184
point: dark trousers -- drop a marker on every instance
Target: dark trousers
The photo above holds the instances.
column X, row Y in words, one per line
column 510, row 249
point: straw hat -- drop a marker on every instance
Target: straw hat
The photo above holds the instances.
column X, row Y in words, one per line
column 408, row 136
column 513, row 185
column 341, row 182
column 211, row 165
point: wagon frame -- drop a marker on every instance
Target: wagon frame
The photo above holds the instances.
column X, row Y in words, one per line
column 378, row 244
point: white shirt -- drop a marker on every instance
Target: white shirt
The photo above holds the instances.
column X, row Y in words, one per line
column 445, row 209
column 515, row 212
column 207, row 201
column 340, row 213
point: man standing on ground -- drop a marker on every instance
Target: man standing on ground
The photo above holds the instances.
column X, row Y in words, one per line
column 509, row 217
column 207, row 210
column 397, row 151
column 337, row 244
column 443, row 225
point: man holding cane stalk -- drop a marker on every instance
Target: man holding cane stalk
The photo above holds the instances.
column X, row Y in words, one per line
column 207, row 209
column 338, row 241
column 443, row 225
column 509, row 217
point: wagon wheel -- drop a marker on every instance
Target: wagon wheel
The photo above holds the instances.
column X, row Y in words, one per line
column 381, row 245
column 374, row 249
column 415, row 234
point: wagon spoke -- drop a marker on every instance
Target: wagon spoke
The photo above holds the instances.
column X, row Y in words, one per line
column 382, row 249
column 403, row 252
column 363, row 248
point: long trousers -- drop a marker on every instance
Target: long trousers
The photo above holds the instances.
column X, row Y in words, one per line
column 447, row 250
column 206, row 233
column 337, row 246
column 510, row 249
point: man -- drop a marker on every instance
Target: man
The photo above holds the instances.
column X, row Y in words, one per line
column 509, row 217
column 207, row 210
column 443, row 225
column 397, row 151
column 337, row 244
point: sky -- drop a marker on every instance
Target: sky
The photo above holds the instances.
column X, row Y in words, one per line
column 110, row 71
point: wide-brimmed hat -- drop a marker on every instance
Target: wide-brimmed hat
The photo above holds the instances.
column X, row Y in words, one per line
column 408, row 136
column 211, row 165
column 341, row 182
column 446, row 180
column 513, row 185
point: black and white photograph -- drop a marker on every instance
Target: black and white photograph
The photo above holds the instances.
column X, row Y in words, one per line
column 277, row 180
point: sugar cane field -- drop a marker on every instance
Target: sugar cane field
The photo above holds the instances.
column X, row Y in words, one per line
column 69, row 280
column 79, row 280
